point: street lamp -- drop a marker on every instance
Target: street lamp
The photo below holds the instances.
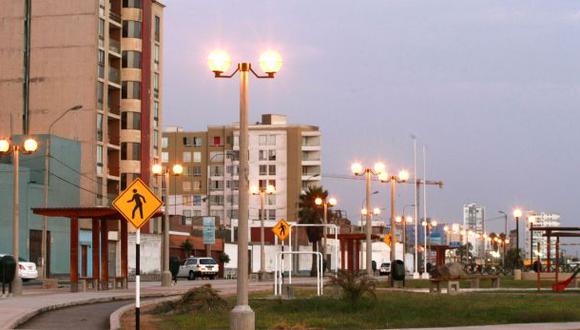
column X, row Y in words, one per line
column 393, row 179
column 262, row 192
column 47, row 155
column 428, row 227
column 325, row 203
column 242, row 316
column 29, row 146
column 358, row 170
column 517, row 214
column 158, row 170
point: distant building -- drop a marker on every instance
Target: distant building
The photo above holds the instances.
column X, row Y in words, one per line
column 541, row 219
column 474, row 220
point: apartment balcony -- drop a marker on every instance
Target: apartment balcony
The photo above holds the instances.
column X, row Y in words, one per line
column 115, row 17
column 114, row 47
column 114, row 76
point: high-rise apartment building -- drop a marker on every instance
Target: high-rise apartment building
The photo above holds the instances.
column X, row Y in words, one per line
column 541, row 219
column 474, row 220
column 280, row 154
column 102, row 54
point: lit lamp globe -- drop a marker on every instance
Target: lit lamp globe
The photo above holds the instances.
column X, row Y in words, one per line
column 254, row 190
column 363, row 211
column 409, row 219
column 30, row 145
column 376, row 211
column 270, row 189
column 356, row 168
column 318, row 201
column 270, row 62
column 384, row 177
column 380, row 168
column 517, row 213
column 4, row 145
column 446, row 228
column 219, row 62
column 404, row 175
column 434, row 223
column 332, row 201
column 177, row 169
column 157, row 169
column 398, row 219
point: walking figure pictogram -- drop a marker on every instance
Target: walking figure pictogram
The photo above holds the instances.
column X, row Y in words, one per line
column 139, row 200
column 282, row 230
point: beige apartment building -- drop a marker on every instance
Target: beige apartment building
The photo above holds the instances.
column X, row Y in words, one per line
column 102, row 54
column 287, row 156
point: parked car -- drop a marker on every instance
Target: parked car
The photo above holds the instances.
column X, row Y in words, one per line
column 385, row 268
column 194, row 267
column 26, row 270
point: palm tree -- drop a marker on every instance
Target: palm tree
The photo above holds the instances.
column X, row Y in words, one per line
column 310, row 213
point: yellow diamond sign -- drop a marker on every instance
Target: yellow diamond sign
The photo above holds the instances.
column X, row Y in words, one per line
column 137, row 203
column 388, row 238
column 281, row 229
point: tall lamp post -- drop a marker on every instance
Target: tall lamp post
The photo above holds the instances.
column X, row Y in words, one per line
column 47, row 155
column 393, row 179
column 325, row 204
column 517, row 215
column 158, row 170
column 29, row 146
column 262, row 192
column 358, row 170
column 242, row 316
column 428, row 227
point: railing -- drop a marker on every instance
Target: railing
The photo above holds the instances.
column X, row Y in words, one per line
column 114, row 46
column 115, row 17
column 114, row 75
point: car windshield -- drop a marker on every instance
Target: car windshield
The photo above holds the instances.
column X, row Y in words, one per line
column 207, row 261
column 386, row 264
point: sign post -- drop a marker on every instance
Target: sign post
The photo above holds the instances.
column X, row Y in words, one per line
column 208, row 233
column 137, row 204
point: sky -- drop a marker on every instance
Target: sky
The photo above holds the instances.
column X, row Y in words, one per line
column 490, row 88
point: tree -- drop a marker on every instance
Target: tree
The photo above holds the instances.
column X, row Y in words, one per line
column 512, row 259
column 187, row 247
column 310, row 213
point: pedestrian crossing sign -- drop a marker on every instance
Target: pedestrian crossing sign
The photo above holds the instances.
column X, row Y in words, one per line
column 137, row 203
column 281, row 229
column 388, row 239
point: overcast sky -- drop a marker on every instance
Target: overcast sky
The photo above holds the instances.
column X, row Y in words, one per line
column 492, row 89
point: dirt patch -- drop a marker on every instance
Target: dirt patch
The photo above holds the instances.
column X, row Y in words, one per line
column 147, row 320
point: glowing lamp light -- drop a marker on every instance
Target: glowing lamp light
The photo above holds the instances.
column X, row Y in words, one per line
column 384, row 177
column 376, row 211
column 434, row 223
column 318, row 201
column 424, row 223
column 4, row 145
column 517, row 213
column 270, row 189
column 177, row 169
column 332, row 201
column 398, row 219
column 254, row 190
column 30, row 145
column 363, row 211
column 380, row 168
column 507, row 241
column 219, row 61
column 270, row 62
column 409, row 219
column 446, row 228
column 404, row 175
column 356, row 168
column 156, row 169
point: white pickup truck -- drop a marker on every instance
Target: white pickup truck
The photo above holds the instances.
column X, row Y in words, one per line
column 194, row 267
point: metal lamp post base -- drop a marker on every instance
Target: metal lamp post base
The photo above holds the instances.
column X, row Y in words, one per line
column 166, row 278
column 17, row 286
column 416, row 276
column 425, row 276
column 242, row 317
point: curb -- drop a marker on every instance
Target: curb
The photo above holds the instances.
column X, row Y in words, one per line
column 115, row 317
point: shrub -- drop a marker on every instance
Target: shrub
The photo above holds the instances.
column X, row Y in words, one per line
column 200, row 299
column 354, row 285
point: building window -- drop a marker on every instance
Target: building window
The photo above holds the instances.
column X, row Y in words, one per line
column 187, row 157
column 155, row 114
column 196, row 185
column 131, row 3
column 236, row 140
column 156, row 85
column 217, row 170
column 164, row 157
column 197, row 141
column 264, row 183
column 216, row 200
column 127, row 178
column 216, row 156
column 271, row 154
column 100, row 93
column 217, row 141
column 263, row 169
column 130, row 151
column 271, row 140
column 271, row 214
column 131, row 90
column 186, row 185
column 262, row 140
column 155, row 139
column 99, row 127
column 157, row 28
column 131, row 120
column 271, row 199
column 99, row 159
column 196, row 200
column 156, row 57
column 131, row 59
column 164, row 142
column 197, row 157
column 216, row 185
column 186, row 200
column 197, row 171
column 271, row 169
column 131, row 29
column 101, row 32
column 101, row 64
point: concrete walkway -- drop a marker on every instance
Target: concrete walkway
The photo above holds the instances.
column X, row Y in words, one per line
column 519, row 326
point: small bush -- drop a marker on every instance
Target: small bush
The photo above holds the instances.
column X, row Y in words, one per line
column 354, row 285
column 200, row 299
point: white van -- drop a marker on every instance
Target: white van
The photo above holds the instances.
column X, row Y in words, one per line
column 194, row 267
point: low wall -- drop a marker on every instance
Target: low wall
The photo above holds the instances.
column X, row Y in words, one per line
column 545, row 276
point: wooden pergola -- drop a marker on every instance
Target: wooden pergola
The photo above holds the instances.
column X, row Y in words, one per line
column 100, row 217
column 350, row 246
column 556, row 232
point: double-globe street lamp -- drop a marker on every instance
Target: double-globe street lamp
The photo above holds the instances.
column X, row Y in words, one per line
column 158, row 170
column 325, row 203
column 429, row 225
column 358, row 170
column 242, row 316
column 403, row 221
column 402, row 177
column 262, row 192
column 517, row 213
column 28, row 146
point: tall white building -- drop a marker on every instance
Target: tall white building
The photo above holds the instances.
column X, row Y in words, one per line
column 474, row 220
column 541, row 219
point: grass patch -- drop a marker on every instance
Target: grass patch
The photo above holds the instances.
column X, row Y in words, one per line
column 505, row 283
column 393, row 310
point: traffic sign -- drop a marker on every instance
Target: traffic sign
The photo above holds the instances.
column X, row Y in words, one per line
column 281, row 229
column 387, row 239
column 208, row 230
column 137, row 203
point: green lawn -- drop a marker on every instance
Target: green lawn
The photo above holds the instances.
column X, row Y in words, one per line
column 504, row 283
column 395, row 309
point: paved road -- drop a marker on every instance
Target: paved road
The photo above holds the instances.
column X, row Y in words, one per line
column 86, row 317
